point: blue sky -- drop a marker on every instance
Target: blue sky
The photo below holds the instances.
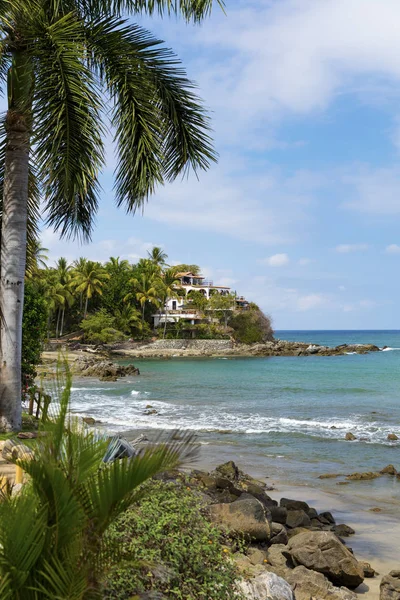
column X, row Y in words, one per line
column 302, row 213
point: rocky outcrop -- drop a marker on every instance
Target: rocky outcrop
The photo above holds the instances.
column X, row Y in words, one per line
column 105, row 370
column 390, row 586
column 323, row 552
column 243, row 517
column 13, row 451
column 266, row 586
column 308, row 584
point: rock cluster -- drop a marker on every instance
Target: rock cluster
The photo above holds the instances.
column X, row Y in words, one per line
column 294, row 552
column 105, row 370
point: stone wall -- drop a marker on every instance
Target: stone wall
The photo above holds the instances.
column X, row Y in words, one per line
column 195, row 345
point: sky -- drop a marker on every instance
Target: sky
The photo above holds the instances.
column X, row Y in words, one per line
column 302, row 212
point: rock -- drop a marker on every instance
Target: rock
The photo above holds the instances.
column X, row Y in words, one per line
column 323, row 552
column 312, row 513
column 89, row 420
column 328, row 516
column 266, row 586
column 105, row 370
column 308, row 584
column 294, row 504
column 153, row 411
column 297, row 518
column 292, row 532
column 278, row 534
column 368, row 570
column 2, row 444
column 329, row 476
column 228, row 470
column 257, row 556
column 362, row 476
column 343, row 530
column 376, row 509
column 316, row 523
column 389, row 470
column 279, row 514
column 350, row 436
column 392, row 437
column 390, row 586
column 13, row 451
column 27, row 435
column 149, row 406
column 243, row 517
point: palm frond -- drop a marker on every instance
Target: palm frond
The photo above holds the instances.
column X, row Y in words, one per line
column 190, row 10
column 68, row 131
column 161, row 127
column 113, row 488
column 62, row 579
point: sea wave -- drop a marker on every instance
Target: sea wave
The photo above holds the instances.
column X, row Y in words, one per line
column 389, row 349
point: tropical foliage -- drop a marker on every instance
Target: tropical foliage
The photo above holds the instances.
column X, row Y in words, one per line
column 53, row 541
column 70, row 69
column 34, row 332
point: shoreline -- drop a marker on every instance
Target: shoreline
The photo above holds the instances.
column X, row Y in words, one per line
column 195, row 348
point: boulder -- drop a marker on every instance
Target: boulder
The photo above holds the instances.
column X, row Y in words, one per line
column 228, row 470
column 350, row 437
column 257, row 556
column 368, row 570
column 392, row 437
column 244, row 517
column 389, row 470
column 297, row 518
column 390, row 586
column 328, row 517
column 290, row 504
column 278, row 557
column 362, row 476
column 308, row 584
column 278, row 534
column 13, row 451
column 343, row 530
column 323, row 552
column 279, row 514
column 266, row 586
column 89, row 420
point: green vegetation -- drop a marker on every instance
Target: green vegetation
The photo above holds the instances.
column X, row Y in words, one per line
column 168, row 545
column 251, row 326
column 34, row 331
column 70, row 69
column 53, row 535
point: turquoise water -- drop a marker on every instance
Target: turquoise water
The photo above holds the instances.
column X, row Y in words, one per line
column 282, row 417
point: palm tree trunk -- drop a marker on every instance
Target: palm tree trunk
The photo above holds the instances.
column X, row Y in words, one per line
column 58, row 320
column 62, row 322
column 86, row 304
column 165, row 320
column 13, row 259
column 143, row 306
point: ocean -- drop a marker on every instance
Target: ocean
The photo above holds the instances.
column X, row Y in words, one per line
column 284, row 418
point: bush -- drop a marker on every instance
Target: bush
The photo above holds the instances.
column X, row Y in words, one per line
column 99, row 328
column 34, row 330
column 251, row 326
column 168, row 545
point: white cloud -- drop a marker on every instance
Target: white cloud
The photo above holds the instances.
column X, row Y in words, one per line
column 346, row 248
column 310, row 301
column 393, row 249
column 276, row 260
column 280, row 56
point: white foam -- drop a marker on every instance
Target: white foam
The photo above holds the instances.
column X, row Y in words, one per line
column 389, row 349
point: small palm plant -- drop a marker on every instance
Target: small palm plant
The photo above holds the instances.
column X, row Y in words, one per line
column 52, row 542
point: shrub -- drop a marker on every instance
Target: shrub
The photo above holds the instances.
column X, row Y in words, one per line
column 34, row 329
column 251, row 326
column 168, row 545
column 99, row 328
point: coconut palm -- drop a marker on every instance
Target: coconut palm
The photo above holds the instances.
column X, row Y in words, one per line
column 144, row 290
column 157, row 256
column 89, row 280
column 36, row 258
column 127, row 319
column 52, row 542
column 66, row 64
column 168, row 289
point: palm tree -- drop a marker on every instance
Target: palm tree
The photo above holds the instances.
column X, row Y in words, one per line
column 55, row 57
column 157, row 256
column 168, row 289
column 127, row 318
column 89, row 281
column 52, row 542
column 36, row 259
column 144, row 290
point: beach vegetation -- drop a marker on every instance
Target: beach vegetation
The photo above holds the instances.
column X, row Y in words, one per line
column 34, row 333
column 53, row 534
column 167, row 545
column 66, row 66
column 251, row 326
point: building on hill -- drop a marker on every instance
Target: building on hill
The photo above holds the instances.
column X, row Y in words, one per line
column 180, row 308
